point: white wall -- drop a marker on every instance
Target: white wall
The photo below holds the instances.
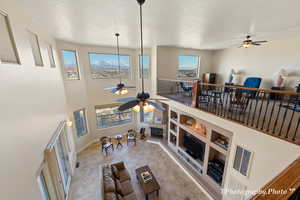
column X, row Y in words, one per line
column 167, row 60
column 32, row 105
column 87, row 92
column 262, row 61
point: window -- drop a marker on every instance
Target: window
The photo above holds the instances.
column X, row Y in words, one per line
column 109, row 116
column 105, row 66
column 70, row 65
column 43, row 186
column 146, row 66
column 148, row 117
column 51, row 57
column 35, row 48
column 188, row 66
column 80, row 122
column 242, row 160
column 8, row 51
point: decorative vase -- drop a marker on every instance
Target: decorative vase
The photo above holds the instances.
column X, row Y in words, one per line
column 279, row 81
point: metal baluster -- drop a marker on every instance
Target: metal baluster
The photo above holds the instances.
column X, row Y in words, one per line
column 279, row 109
column 271, row 114
column 284, row 116
column 250, row 108
column 256, row 102
column 289, row 126
column 268, row 102
column 261, row 106
column 294, row 137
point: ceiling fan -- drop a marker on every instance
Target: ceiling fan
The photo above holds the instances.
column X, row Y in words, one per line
column 120, row 89
column 248, row 42
column 142, row 103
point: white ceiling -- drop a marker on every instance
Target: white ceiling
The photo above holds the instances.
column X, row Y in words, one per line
column 202, row 24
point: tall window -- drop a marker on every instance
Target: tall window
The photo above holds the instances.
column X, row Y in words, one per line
column 188, row 66
column 70, row 65
column 8, row 51
column 43, row 186
column 105, row 66
column 146, row 66
column 35, row 48
column 109, row 116
column 80, row 122
column 51, row 57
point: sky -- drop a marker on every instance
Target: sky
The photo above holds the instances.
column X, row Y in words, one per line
column 109, row 60
column 188, row 62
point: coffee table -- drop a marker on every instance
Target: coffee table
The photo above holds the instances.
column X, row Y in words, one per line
column 150, row 186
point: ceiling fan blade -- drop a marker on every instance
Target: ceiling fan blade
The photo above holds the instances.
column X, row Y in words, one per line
column 256, row 44
column 156, row 105
column 129, row 87
column 159, row 99
column 263, row 41
column 128, row 105
column 127, row 99
column 142, row 114
column 112, row 88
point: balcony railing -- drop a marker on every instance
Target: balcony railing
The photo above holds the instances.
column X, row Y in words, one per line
column 273, row 112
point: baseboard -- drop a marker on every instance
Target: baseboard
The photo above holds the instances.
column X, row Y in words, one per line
column 86, row 146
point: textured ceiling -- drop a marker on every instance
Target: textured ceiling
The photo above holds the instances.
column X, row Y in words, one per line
column 202, row 24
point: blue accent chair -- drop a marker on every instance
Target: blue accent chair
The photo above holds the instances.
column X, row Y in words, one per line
column 252, row 82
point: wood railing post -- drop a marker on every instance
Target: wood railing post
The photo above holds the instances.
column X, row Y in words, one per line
column 195, row 94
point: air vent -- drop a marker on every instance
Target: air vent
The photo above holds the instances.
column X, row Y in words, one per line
column 242, row 160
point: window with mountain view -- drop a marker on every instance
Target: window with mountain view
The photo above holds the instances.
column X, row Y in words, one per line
column 109, row 116
column 146, row 66
column 188, row 66
column 105, row 66
column 70, row 64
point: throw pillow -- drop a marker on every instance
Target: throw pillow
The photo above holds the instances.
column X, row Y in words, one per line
column 116, row 172
column 110, row 196
column 109, row 184
column 119, row 187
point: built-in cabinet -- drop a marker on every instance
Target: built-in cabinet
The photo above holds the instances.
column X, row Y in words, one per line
column 202, row 145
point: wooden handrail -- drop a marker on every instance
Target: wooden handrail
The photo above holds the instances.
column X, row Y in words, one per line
column 254, row 89
column 285, row 183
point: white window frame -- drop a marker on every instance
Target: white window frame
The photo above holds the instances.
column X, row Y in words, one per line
column 38, row 48
column 198, row 68
column 86, row 123
column 119, row 125
column 129, row 70
column 51, row 56
column 77, row 65
column 12, row 40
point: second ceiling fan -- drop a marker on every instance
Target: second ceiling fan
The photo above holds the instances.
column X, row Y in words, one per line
column 248, row 42
column 120, row 88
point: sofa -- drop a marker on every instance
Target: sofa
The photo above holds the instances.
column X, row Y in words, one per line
column 115, row 183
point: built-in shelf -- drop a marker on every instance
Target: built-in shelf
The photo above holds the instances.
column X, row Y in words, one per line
column 174, row 115
column 173, row 127
column 193, row 124
column 216, row 165
column 220, row 140
column 173, row 139
column 202, row 145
